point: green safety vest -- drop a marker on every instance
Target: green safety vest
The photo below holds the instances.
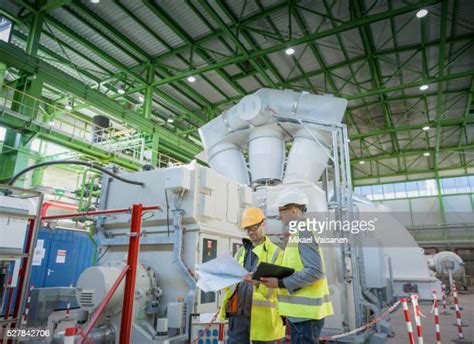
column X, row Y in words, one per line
column 265, row 321
column 313, row 301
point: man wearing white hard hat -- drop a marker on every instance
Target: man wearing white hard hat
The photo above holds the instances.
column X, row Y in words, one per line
column 303, row 296
column 252, row 309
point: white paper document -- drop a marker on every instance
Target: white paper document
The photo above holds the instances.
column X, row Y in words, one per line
column 219, row 273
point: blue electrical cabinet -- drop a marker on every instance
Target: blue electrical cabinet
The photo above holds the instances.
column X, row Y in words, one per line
column 60, row 256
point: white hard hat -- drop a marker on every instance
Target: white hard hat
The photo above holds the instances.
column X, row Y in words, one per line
column 291, row 196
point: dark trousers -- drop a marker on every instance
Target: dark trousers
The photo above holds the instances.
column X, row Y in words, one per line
column 239, row 331
column 306, row 332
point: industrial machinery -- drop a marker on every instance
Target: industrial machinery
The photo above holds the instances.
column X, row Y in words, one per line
column 245, row 148
column 449, row 268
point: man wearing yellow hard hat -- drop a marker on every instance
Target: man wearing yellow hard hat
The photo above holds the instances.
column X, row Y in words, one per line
column 250, row 307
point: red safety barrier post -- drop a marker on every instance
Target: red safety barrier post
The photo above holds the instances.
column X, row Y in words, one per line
column 406, row 312
column 132, row 262
column 416, row 311
column 436, row 317
column 27, row 306
column 458, row 323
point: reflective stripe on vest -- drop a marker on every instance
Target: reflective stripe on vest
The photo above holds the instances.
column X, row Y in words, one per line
column 261, row 303
column 312, row 301
column 307, row 301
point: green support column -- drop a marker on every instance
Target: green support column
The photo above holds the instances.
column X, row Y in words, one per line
column 155, row 146
column 15, row 157
column 147, row 106
column 440, row 200
column 3, row 70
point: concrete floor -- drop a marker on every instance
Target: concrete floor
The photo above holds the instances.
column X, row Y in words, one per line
column 448, row 331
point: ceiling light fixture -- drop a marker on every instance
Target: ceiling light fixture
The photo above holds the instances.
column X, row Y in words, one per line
column 95, row 1
column 191, row 78
column 141, row 98
column 424, row 87
column 51, row 123
column 426, row 153
column 170, row 120
column 362, row 162
column 289, row 51
column 426, row 128
column 120, row 90
column 348, row 140
column 421, row 13
column 68, row 106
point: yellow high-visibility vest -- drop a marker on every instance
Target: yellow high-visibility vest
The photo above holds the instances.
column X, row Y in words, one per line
column 265, row 321
column 312, row 301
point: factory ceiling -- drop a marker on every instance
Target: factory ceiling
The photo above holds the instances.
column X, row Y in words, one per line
column 166, row 67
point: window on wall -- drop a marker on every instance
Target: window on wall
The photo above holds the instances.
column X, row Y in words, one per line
column 424, row 188
column 462, row 184
column 412, row 189
column 400, row 190
column 448, row 186
column 5, row 29
column 377, row 192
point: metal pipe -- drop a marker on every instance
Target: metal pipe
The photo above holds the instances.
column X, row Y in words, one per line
column 177, row 260
column 96, row 213
column 132, row 261
column 103, row 335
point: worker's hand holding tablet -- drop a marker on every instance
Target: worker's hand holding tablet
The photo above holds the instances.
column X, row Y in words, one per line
column 271, row 270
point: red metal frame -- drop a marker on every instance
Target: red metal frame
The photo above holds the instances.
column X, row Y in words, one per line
column 24, row 263
column 95, row 213
column 129, row 272
column 9, row 298
column 56, row 204
column 132, row 262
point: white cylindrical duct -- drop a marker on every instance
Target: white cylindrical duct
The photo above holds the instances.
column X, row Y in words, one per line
column 227, row 159
column 260, row 108
column 307, row 158
column 266, row 155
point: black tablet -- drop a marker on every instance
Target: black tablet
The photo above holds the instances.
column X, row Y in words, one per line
column 271, row 270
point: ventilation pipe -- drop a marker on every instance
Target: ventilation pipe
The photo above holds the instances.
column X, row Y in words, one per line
column 266, row 155
column 308, row 156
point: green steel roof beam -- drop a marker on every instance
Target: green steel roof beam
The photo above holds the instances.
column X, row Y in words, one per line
column 123, row 68
column 408, row 153
column 236, row 39
column 54, row 4
column 172, row 25
column 15, row 57
column 119, row 37
column 282, row 83
column 253, row 54
column 353, row 74
column 206, row 49
column 131, row 46
column 369, row 48
column 322, row 63
column 443, row 123
column 442, row 48
column 67, row 31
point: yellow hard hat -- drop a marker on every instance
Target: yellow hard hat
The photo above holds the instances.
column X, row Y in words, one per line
column 251, row 216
